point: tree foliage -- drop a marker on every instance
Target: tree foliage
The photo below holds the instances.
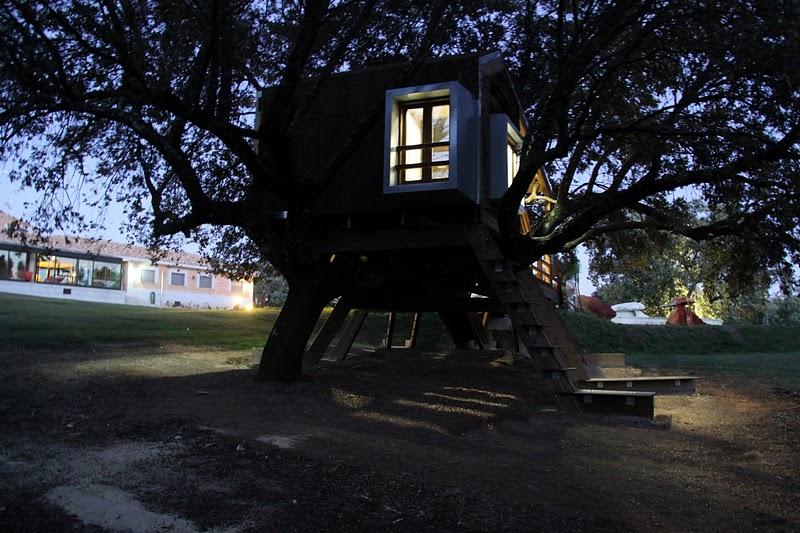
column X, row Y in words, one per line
column 656, row 267
column 785, row 311
column 151, row 102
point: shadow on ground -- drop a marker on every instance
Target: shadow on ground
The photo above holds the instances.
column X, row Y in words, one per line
column 401, row 440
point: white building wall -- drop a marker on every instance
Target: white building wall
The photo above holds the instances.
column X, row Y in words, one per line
column 86, row 294
column 134, row 293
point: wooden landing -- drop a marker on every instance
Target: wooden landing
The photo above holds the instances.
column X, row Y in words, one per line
column 659, row 384
column 611, row 402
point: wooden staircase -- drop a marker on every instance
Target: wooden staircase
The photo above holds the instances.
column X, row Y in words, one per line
column 545, row 338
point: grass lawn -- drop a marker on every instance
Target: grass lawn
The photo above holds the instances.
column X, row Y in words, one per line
column 762, row 352
column 781, row 369
column 44, row 323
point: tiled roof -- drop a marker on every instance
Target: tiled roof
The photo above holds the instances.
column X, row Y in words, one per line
column 109, row 248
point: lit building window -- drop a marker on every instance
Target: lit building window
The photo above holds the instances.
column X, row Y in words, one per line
column 54, row 269
column 82, row 272
column 512, row 159
column 424, row 149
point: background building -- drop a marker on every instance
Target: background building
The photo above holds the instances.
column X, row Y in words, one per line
column 105, row 271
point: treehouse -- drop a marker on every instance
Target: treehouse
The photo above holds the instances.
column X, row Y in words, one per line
column 409, row 216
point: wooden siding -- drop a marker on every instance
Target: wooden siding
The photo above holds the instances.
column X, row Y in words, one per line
column 341, row 106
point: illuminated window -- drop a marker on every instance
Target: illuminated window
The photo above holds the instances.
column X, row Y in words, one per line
column 424, row 150
column 512, row 159
column 54, row 269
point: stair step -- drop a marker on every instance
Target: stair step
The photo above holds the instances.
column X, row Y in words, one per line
column 543, row 346
column 660, row 384
column 612, row 402
column 511, row 297
column 605, row 359
column 504, row 274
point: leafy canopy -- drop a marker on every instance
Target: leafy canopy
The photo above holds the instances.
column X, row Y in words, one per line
column 632, row 106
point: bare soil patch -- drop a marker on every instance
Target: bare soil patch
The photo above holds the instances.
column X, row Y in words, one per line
column 130, row 439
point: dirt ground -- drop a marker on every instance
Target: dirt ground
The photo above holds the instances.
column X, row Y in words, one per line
column 122, row 438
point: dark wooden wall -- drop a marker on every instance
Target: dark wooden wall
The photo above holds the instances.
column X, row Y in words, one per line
column 340, row 108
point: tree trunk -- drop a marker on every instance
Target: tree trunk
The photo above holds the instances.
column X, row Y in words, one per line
column 282, row 358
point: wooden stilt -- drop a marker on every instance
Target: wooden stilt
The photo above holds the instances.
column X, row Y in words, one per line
column 389, row 337
column 415, row 323
column 331, row 327
column 460, row 328
column 348, row 335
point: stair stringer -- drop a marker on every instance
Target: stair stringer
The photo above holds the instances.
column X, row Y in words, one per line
column 530, row 323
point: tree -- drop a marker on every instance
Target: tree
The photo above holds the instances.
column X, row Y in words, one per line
column 152, row 102
column 655, row 267
column 784, row 311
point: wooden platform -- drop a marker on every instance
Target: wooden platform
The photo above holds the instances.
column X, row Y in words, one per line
column 659, row 384
column 611, row 402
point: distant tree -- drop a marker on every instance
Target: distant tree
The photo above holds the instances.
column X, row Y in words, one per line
column 152, row 102
column 784, row 311
column 655, row 268
column 270, row 287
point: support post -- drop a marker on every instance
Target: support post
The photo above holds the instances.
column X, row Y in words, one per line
column 415, row 325
column 459, row 328
column 331, row 327
column 389, row 337
column 348, row 335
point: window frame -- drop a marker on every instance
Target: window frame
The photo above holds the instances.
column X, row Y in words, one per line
column 464, row 139
column 142, row 271
column 503, row 135
column 201, row 276
column 80, row 260
column 7, row 251
column 426, row 146
column 172, row 273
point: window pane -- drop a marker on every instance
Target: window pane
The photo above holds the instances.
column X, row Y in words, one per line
column 412, row 174
column 42, row 262
column 52, row 269
column 512, row 162
column 440, row 117
column 205, row 282
column 413, row 157
column 18, row 265
column 177, row 279
column 5, row 265
column 107, row 275
column 441, row 172
column 440, row 153
column 148, row 276
column 85, row 268
column 413, row 126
